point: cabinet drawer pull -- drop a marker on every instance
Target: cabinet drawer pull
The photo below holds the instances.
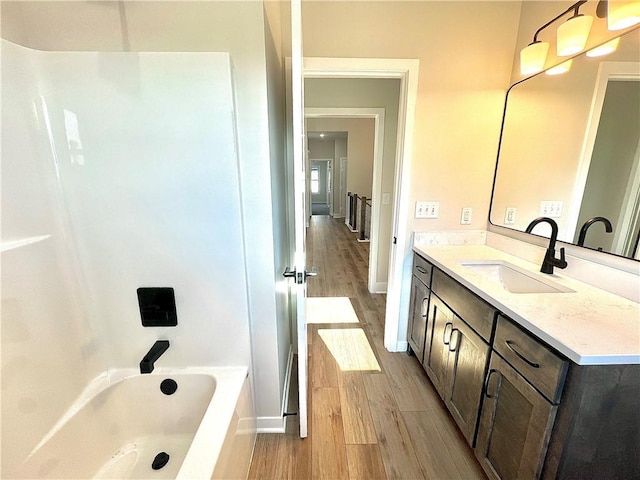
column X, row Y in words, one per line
column 444, row 333
column 421, row 269
column 457, row 340
column 488, row 379
column 510, row 344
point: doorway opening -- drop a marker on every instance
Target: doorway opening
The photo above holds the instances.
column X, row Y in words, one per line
column 399, row 238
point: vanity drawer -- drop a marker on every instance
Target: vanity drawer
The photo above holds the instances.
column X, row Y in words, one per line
column 422, row 269
column 477, row 313
column 540, row 365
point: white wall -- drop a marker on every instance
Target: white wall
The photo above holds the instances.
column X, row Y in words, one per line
column 360, row 143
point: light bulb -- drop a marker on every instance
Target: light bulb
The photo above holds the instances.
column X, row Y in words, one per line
column 532, row 58
column 572, row 35
column 622, row 14
column 604, row 49
column 564, row 67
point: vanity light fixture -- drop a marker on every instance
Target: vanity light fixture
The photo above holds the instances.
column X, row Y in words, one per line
column 533, row 57
column 622, row 14
column 564, row 67
column 572, row 35
column 322, row 135
column 604, row 49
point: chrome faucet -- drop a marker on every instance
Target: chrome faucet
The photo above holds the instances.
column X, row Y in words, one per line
column 550, row 259
column 158, row 348
column 583, row 231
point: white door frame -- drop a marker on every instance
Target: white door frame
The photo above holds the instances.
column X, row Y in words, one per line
column 406, row 70
column 343, row 187
column 328, row 167
column 378, row 119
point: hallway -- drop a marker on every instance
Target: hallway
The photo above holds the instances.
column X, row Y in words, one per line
column 372, row 414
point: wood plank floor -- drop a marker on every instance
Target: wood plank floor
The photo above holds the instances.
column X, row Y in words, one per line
column 372, row 414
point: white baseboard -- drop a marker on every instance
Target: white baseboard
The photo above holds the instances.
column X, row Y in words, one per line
column 351, row 229
column 337, row 215
column 400, row 347
column 270, row 425
column 379, row 287
column 278, row 424
column 366, row 240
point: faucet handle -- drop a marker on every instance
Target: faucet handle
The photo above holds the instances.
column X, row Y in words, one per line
column 561, row 262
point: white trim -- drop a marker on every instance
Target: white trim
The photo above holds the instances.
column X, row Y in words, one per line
column 607, row 71
column 624, row 238
column 401, row 346
column 378, row 115
column 287, row 386
column 301, row 205
column 379, row 287
column 270, row 425
column 407, row 70
column 328, row 161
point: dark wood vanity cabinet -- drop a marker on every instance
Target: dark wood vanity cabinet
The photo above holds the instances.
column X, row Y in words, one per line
column 419, row 302
column 522, row 389
column 515, row 425
column 457, row 357
column 527, row 411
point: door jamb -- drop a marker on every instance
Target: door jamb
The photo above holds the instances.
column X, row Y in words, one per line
column 378, row 115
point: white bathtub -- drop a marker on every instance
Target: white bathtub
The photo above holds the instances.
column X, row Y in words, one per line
column 122, row 421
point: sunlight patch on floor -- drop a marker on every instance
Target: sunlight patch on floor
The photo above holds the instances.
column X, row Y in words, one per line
column 330, row 310
column 350, row 347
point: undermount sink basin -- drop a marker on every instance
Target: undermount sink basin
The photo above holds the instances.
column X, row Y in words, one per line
column 513, row 278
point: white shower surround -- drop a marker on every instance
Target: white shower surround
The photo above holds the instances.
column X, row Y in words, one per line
column 119, row 170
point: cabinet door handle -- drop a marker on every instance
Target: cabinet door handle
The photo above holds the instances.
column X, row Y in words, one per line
column 444, row 333
column 424, row 309
column 457, row 339
column 510, row 344
column 421, row 269
column 488, row 379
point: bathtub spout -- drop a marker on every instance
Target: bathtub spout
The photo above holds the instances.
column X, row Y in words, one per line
column 146, row 365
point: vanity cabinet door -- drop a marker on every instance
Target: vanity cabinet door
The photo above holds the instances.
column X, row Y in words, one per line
column 418, row 318
column 467, row 363
column 441, row 319
column 515, row 425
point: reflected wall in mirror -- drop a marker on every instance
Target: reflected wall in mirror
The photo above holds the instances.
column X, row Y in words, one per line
column 570, row 148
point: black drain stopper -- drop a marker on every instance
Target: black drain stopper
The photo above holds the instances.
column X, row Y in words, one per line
column 160, row 461
column 168, row 386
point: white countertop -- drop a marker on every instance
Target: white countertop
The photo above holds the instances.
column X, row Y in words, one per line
column 589, row 326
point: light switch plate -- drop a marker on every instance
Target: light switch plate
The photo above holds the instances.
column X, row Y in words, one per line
column 427, row 209
column 551, row 208
column 465, row 216
column 510, row 215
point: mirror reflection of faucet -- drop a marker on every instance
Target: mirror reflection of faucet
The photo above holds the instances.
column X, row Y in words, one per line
column 148, row 361
column 583, row 231
column 550, row 259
